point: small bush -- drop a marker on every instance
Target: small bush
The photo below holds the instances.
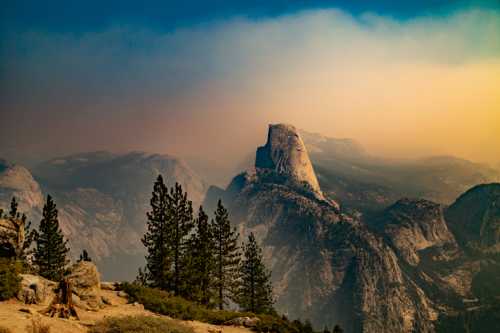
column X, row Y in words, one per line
column 10, row 282
column 4, row 330
column 37, row 326
column 176, row 307
column 139, row 324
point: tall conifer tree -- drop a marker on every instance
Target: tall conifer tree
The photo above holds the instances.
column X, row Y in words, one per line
column 51, row 247
column 201, row 260
column 156, row 240
column 181, row 222
column 170, row 222
column 337, row 329
column 255, row 293
column 227, row 257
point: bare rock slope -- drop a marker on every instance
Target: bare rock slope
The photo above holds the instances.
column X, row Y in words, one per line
column 398, row 272
column 326, row 265
column 286, row 155
column 102, row 200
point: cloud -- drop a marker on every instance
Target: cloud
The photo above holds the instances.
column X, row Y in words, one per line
column 403, row 88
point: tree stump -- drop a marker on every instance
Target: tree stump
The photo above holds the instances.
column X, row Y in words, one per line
column 62, row 305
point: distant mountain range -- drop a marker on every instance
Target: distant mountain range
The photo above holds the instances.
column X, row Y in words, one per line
column 368, row 183
column 409, row 267
column 373, row 244
column 102, row 200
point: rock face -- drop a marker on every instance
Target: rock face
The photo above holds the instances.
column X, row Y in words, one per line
column 397, row 272
column 286, row 155
column 17, row 181
column 36, row 290
column 413, row 226
column 86, row 285
column 11, row 237
column 475, row 218
column 325, row 265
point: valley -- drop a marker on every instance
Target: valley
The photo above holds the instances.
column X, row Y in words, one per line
column 350, row 238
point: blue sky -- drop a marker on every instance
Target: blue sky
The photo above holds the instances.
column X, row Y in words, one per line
column 90, row 15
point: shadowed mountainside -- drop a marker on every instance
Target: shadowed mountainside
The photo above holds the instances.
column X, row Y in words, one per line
column 102, row 200
column 399, row 272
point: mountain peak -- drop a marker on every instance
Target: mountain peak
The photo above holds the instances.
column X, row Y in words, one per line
column 285, row 154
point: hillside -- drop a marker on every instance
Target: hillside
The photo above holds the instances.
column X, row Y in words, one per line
column 399, row 270
column 367, row 183
column 102, row 200
column 16, row 320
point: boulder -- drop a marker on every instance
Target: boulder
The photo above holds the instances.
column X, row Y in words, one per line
column 36, row 289
column 244, row 321
column 85, row 281
column 106, row 300
column 11, row 237
column 108, row 286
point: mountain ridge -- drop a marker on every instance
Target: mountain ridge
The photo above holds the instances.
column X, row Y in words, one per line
column 398, row 272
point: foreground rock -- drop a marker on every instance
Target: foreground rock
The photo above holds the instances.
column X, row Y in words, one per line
column 86, row 285
column 11, row 237
column 244, row 321
column 16, row 317
column 36, row 289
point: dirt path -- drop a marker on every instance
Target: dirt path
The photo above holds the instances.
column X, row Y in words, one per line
column 17, row 321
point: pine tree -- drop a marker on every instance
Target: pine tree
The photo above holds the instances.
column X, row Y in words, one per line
column 84, row 256
column 170, row 222
column 227, row 257
column 159, row 257
column 255, row 293
column 13, row 213
column 51, row 248
column 337, row 329
column 181, row 223
column 141, row 278
column 201, row 260
column 307, row 328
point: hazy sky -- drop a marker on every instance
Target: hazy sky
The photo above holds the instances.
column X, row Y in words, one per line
column 407, row 81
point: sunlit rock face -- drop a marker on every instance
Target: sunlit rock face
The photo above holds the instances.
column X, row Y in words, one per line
column 326, row 266
column 286, row 155
column 398, row 270
column 12, row 237
column 17, row 181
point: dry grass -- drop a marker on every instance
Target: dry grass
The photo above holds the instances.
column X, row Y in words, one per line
column 4, row 330
column 139, row 324
column 37, row 326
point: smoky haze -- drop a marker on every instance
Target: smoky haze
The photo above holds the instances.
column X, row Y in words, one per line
column 403, row 89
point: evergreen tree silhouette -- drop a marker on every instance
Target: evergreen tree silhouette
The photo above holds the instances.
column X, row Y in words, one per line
column 227, row 257
column 255, row 293
column 51, row 247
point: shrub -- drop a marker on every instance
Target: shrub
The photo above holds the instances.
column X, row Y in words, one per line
column 176, row 307
column 10, row 282
column 139, row 324
column 162, row 302
column 37, row 326
column 4, row 330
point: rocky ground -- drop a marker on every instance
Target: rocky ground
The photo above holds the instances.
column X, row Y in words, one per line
column 17, row 316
